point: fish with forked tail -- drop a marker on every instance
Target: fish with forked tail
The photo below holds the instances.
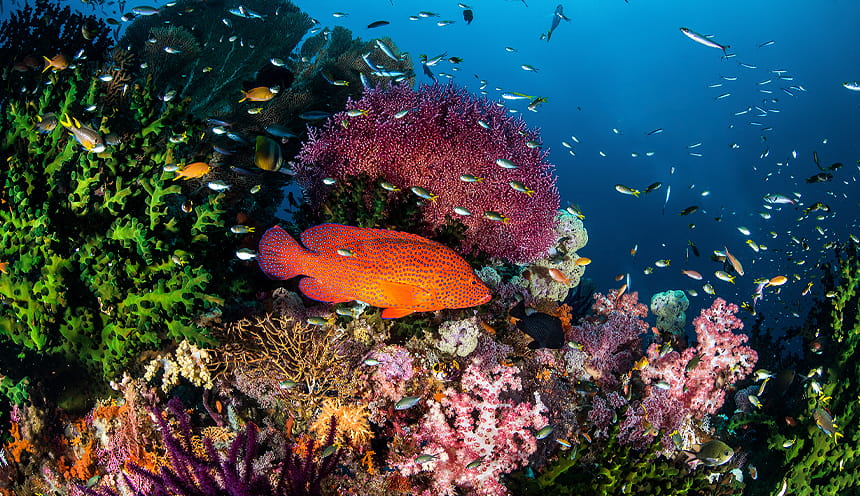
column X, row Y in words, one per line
column 557, row 16
column 89, row 138
column 400, row 272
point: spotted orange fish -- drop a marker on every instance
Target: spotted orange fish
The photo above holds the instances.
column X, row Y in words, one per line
column 400, row 272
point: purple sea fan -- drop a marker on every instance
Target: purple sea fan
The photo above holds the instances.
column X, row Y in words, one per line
column 429, row 138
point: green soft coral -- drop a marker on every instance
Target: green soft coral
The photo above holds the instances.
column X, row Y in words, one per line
column 102, row 261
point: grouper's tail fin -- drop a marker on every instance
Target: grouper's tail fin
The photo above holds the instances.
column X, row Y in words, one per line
column 280, row 256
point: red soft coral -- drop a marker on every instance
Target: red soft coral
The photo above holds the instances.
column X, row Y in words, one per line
column 445, row 133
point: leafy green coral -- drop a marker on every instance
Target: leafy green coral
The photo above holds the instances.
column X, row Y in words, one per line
column 102, row 258
column 609, row 468
column 16, row 392
column 818, row 463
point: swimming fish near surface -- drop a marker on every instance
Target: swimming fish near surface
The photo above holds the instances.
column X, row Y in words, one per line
column 400, row 272
column 557, row 16
column 544, row 329
column 703, row 40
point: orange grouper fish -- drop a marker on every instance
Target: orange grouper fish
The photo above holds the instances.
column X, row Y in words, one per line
column 401, row 272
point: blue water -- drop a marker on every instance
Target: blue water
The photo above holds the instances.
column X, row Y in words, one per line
column 628, row 67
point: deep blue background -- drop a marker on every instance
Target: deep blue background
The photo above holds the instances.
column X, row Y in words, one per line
column 627, row 66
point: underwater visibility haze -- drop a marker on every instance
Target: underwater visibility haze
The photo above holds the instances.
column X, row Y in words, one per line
column 500, row 247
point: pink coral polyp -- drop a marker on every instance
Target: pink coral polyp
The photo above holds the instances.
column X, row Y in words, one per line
column 446, row 133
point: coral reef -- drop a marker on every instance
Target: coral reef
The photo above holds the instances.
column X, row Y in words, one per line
column 241, row 471
column 439, row 139
column 691, row 383
column 228, row 384
column 811, row 427
column 103, row 260
column 613, row 468
column 265, row 48
column 45, row 28
column 550, row 279
column 669, row 307
column 187, row 362
column 613, row 341
column 168, row 51
column 459, row 337
column 296, row 361
column 474, row 436
column 232, row 51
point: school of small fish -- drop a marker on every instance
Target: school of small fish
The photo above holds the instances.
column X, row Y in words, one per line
column 380, row 267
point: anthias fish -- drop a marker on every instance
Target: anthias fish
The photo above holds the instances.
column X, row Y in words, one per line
column 400, row 272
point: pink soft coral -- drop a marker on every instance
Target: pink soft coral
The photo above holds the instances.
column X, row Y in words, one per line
column 394, row 370
column 677, row 389
column 723, row 360
column 476, row 425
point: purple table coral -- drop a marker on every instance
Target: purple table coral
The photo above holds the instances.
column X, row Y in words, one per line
column 444, row 134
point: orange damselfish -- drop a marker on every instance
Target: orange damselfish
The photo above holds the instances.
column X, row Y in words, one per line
column 401, row 272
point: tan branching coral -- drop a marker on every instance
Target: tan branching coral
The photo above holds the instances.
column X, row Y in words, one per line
column 303, row 362
column 115, row 77
column 187, row 361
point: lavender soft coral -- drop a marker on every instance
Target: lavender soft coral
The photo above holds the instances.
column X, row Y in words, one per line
column 445, row 133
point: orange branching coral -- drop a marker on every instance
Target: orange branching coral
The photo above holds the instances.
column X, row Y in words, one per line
column 129, row 427
column 280, row 350
column 85, row 464
column 303, row 445
column 107, row 411
column 18, row 445
column 352, row 423
column 543, row 374
column 398, row 484
column 564, row 313
column 367, row 462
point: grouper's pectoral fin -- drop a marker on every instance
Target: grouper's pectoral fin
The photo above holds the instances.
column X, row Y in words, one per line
column 402, row 295
column 316, row 289
column 402, row 299
column 394, row 313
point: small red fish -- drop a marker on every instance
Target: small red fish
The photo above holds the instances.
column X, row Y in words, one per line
column 400, row 272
